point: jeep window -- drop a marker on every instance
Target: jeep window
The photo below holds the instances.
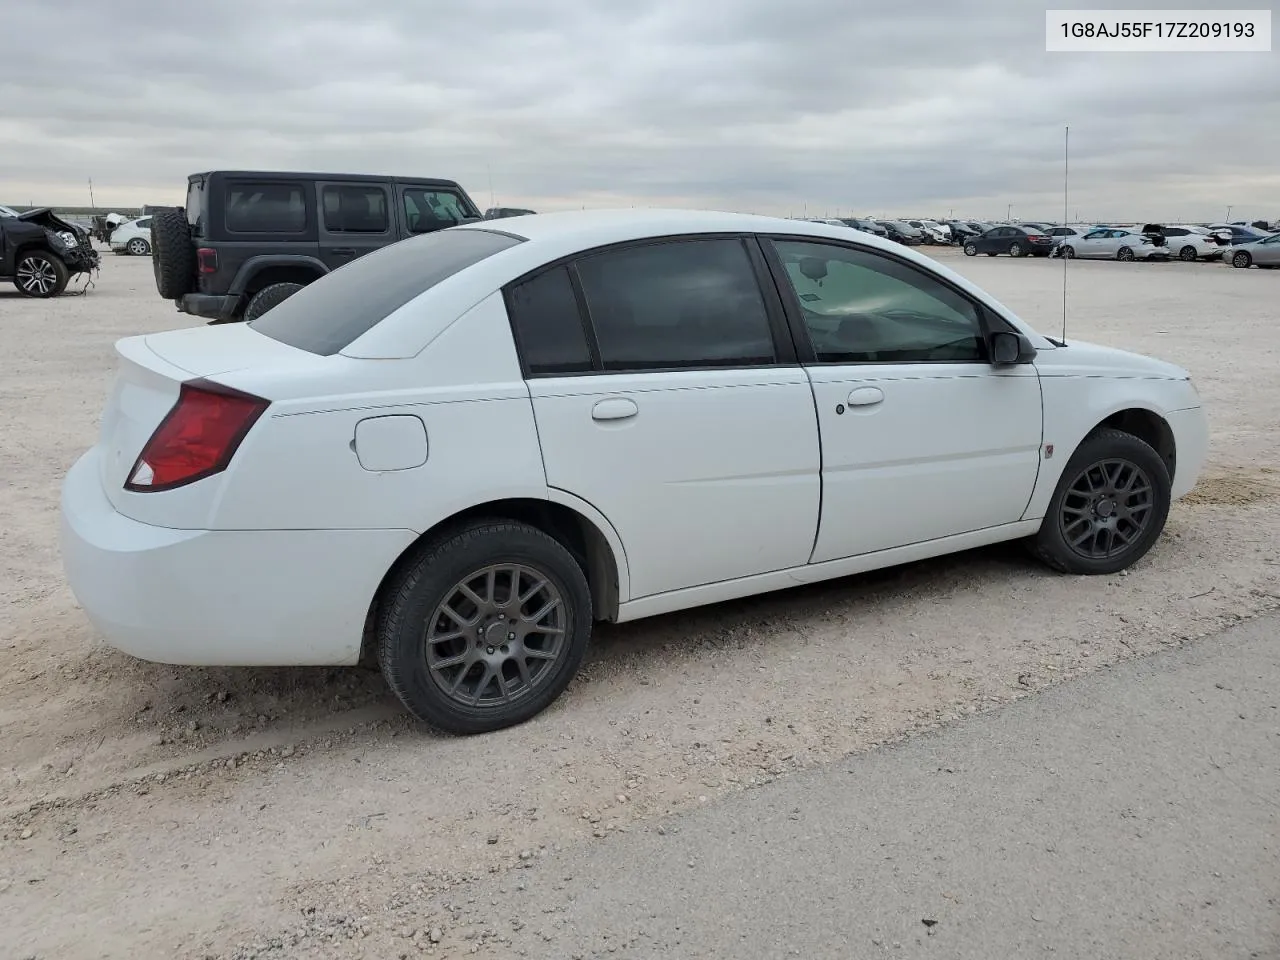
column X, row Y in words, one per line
column 426, row 210
column 355, row 209
column 195, row 206
column 327, row 315
column 266, row 208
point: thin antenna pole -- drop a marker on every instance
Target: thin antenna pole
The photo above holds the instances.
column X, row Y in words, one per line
column 492, row 201
column 1066, row 170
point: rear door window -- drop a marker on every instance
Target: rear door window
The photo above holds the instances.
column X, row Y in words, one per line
column 548, row 325
column 355, row 208
column 275, row 207
column 330, row 313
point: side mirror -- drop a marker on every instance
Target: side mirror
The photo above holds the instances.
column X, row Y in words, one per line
column 1010, row 348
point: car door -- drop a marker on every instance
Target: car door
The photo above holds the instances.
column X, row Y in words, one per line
column 355, row 218
column 667, row 394
column 1267, row 252
column 1095, row 244
column 922, row 438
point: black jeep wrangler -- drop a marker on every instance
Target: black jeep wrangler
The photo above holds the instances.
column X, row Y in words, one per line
column 248, row 240
column 41, row 252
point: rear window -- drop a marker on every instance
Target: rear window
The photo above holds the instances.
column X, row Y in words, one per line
column 195, row 206
column 329, row 314
column 266, row 208
column 355, row 209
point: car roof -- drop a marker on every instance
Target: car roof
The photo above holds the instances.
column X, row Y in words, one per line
column 305, row 175
column 584, row 229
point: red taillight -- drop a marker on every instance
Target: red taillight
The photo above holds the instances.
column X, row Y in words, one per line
column 197, row 438
column 207, row 260
column 1035, row 237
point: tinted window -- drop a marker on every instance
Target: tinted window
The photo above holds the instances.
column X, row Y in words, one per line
column 548, row 325
column 860, row 307
column 1175, row 232
column 325, row 316
column 687, row 303
column 266, row 208
column 355, row 209
column 143, row 223
column 426, row 209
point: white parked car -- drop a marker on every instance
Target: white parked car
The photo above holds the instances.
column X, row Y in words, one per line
column 1189, row 242
column 133, row 237
column 1113, row 243
column 479, row 441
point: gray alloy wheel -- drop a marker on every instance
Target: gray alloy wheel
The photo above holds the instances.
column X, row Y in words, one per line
column 1187, row 254
column 970, row 250
column 1015, row 249
column 495, row 637
column 138, row 247
column 1069, row 252
column 1125, row 254
column 1106, row 509
column 40, row 275
column 1241, row 260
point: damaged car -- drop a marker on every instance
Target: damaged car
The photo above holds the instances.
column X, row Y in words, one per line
column 40, row 252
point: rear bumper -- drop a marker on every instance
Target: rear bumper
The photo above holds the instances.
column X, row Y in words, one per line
column 1191, row 441
column 221, row 597
column 211, row 306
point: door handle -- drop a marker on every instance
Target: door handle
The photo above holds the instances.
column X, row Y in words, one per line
column 865, row 396
column 344, row 251
column 614, row 408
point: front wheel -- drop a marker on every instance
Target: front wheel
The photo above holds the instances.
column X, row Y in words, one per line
column 1241, row 260
column 1069, row 252
column 486, row 628
column 40, row 275
column 1109, row 507
column 970, row 250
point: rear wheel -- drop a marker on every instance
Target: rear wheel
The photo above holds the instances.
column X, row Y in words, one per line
column 1015, row 249
column 268, row 297
column 1241, row 260
column 40, row 274
column 1109, row 507
column 970, row 250
column 1125, row 254
column 138, row 247
column 173, row 255
column 1187, row 254
column 485, row 628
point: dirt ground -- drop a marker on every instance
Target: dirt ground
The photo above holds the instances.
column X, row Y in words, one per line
column 160, row 811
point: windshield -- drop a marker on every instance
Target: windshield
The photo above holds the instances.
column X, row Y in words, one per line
column 329, row 314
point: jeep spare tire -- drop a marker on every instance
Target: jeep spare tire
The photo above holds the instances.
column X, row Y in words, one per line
column 173, row 255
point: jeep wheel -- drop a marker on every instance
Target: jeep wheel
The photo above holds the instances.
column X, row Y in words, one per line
column 173, row 255
column 40, row 274
column 268, row 297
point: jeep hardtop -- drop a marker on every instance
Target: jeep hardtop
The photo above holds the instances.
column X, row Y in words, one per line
column 247, row 240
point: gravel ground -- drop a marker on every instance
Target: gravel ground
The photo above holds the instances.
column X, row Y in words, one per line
column 152, row 810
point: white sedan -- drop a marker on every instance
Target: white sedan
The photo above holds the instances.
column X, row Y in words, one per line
column 457, row 452
column 133, row 237
column 1114, row 243
column 1188, row 242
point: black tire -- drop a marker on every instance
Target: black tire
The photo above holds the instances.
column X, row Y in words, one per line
column 173, row 255
column 970, row 250
column 40, row 275
column 1015, row 249
column 1187, row 254
column 1125, row 254
column 1241, row 260
column 1104, row 446
column 1069, row 252
column 268, row 297
column 411, row 610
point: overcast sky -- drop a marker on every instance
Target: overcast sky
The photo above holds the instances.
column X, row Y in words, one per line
column 774, row 106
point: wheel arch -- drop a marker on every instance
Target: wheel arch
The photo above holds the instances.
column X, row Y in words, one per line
column 575, row 524
column 257, row 273
column 1149, row 427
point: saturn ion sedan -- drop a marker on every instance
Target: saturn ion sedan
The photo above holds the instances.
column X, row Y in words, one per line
column 456, row 453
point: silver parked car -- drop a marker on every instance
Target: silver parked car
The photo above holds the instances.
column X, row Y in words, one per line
column 1263, row 253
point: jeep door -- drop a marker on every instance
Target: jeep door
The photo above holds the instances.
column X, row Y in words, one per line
column 355, row 219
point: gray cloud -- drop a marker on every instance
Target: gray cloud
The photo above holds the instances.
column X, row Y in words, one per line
column 824, row 105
